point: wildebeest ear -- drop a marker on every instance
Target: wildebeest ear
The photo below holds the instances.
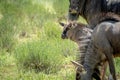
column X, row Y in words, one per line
column 62, row 24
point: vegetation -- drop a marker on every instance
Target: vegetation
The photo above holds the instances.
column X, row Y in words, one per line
column 31, row 47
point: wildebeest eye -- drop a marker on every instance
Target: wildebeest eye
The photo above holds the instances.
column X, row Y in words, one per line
column 68, row 28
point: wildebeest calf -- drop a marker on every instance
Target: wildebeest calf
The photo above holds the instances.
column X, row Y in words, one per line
column 80, row 34
column 104, row 45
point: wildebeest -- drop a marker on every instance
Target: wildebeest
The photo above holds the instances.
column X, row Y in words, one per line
column 104, row 45
column 105, row 40
column 94, row 11
column 80, row 34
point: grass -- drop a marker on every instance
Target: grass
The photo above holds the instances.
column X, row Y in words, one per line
column 39, row 55
column 55, row 59
column 31, row 47
column 117, row 62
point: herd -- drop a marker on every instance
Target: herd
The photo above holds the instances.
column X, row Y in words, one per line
column 98, row 41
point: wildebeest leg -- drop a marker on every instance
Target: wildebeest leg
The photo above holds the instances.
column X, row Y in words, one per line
column 108, row 51
column 100, row 74
column 103, row 70
column 110, row 77
column 78, row 76
column 81, row 73
column 111, row 65
column 91, row 61
column 96, row 74
column 103, row 45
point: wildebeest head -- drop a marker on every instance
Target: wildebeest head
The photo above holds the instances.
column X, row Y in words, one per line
column 76, row 8
column 68, row 31
column 73, row 31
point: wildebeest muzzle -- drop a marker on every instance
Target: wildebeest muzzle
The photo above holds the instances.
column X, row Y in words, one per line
column 73, row 11
column 64, row 34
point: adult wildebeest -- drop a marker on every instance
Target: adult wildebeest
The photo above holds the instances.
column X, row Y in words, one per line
column 94, row 11
column 80, row 34
column 104, row 45
column 105, row 40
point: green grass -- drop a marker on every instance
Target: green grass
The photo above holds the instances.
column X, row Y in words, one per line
column 39, row 55
column 117, row 62
column 50, row 56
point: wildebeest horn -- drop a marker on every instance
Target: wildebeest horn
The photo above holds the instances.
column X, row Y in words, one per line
column 77, row 64
column 62, row 24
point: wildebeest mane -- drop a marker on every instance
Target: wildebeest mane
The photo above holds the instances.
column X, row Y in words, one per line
column 111, row 6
